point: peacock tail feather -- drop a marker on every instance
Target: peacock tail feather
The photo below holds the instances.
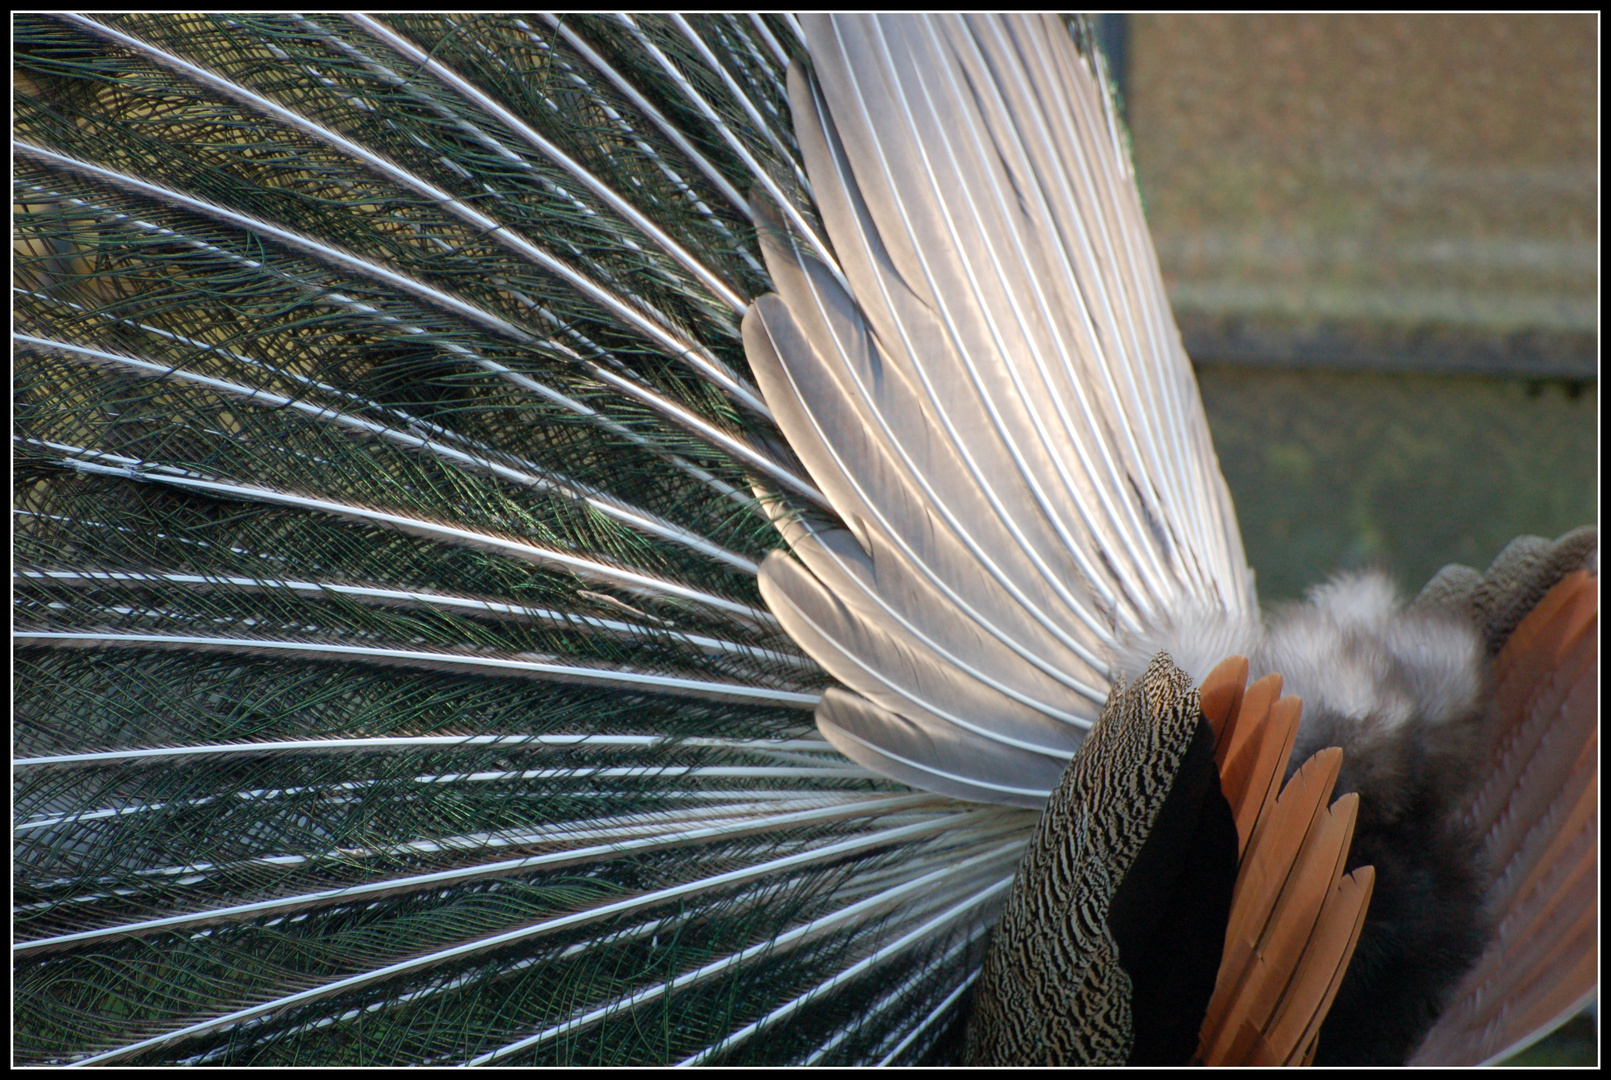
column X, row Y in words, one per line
column 592, row 540
column 392, row 682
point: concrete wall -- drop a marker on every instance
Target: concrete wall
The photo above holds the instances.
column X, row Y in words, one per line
column 1379, row 234
column 1374, row 190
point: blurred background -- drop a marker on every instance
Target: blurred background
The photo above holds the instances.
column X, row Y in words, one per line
column 1380, row 239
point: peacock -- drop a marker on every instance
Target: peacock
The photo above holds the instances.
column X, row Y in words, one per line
column 617, row 539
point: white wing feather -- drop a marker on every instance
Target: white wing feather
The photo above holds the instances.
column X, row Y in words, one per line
column 991, row 392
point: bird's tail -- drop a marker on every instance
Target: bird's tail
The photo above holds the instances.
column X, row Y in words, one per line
column 392, row 678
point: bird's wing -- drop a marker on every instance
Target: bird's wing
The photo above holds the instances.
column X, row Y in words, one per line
column 1537, row 812
column 1172, row 857
column 1110, row 942
column 1295, row 917
column 985, row 381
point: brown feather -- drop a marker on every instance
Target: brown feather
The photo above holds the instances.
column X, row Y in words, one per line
column 1277, row 882
column 1285, row 715
column 1537, row 812
column 1325, row 958
column 1250, row 1048
column 1317, row 867
column 1574, row 829
column 1270, row 854
column 1295, row 918
column 1545, row 975
column 1244, row 732
column 1548, row 659
column 1220, row 698
column 1260, row 740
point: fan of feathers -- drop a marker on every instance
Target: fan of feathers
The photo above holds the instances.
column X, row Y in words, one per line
column 537, row 541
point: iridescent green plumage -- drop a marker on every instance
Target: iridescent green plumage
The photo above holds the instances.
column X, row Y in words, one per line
column 404, row 411
column 421, row 558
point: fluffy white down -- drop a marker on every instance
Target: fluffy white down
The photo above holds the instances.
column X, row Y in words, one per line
column 1196, row 637
column 1352, row 651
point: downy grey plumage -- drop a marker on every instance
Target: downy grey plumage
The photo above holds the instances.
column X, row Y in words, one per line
column 477, row 479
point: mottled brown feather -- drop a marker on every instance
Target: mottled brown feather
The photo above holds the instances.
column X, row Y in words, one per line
column 1053, row 990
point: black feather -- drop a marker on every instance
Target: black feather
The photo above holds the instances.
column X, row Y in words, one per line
column 1170, row 911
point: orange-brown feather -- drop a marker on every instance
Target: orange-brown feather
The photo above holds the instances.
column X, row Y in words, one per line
column 1248, row 969
column 1273, row 757
column 1296, row 1025
column 1220, row 698
column 1259, row 741
column 1538, row 813
column 1295, row 918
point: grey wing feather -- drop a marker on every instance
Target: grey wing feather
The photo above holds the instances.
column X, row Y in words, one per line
column 953, row 762
column 996, row 202
column 832, row 417
column 988, row 387
column 887, row 668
